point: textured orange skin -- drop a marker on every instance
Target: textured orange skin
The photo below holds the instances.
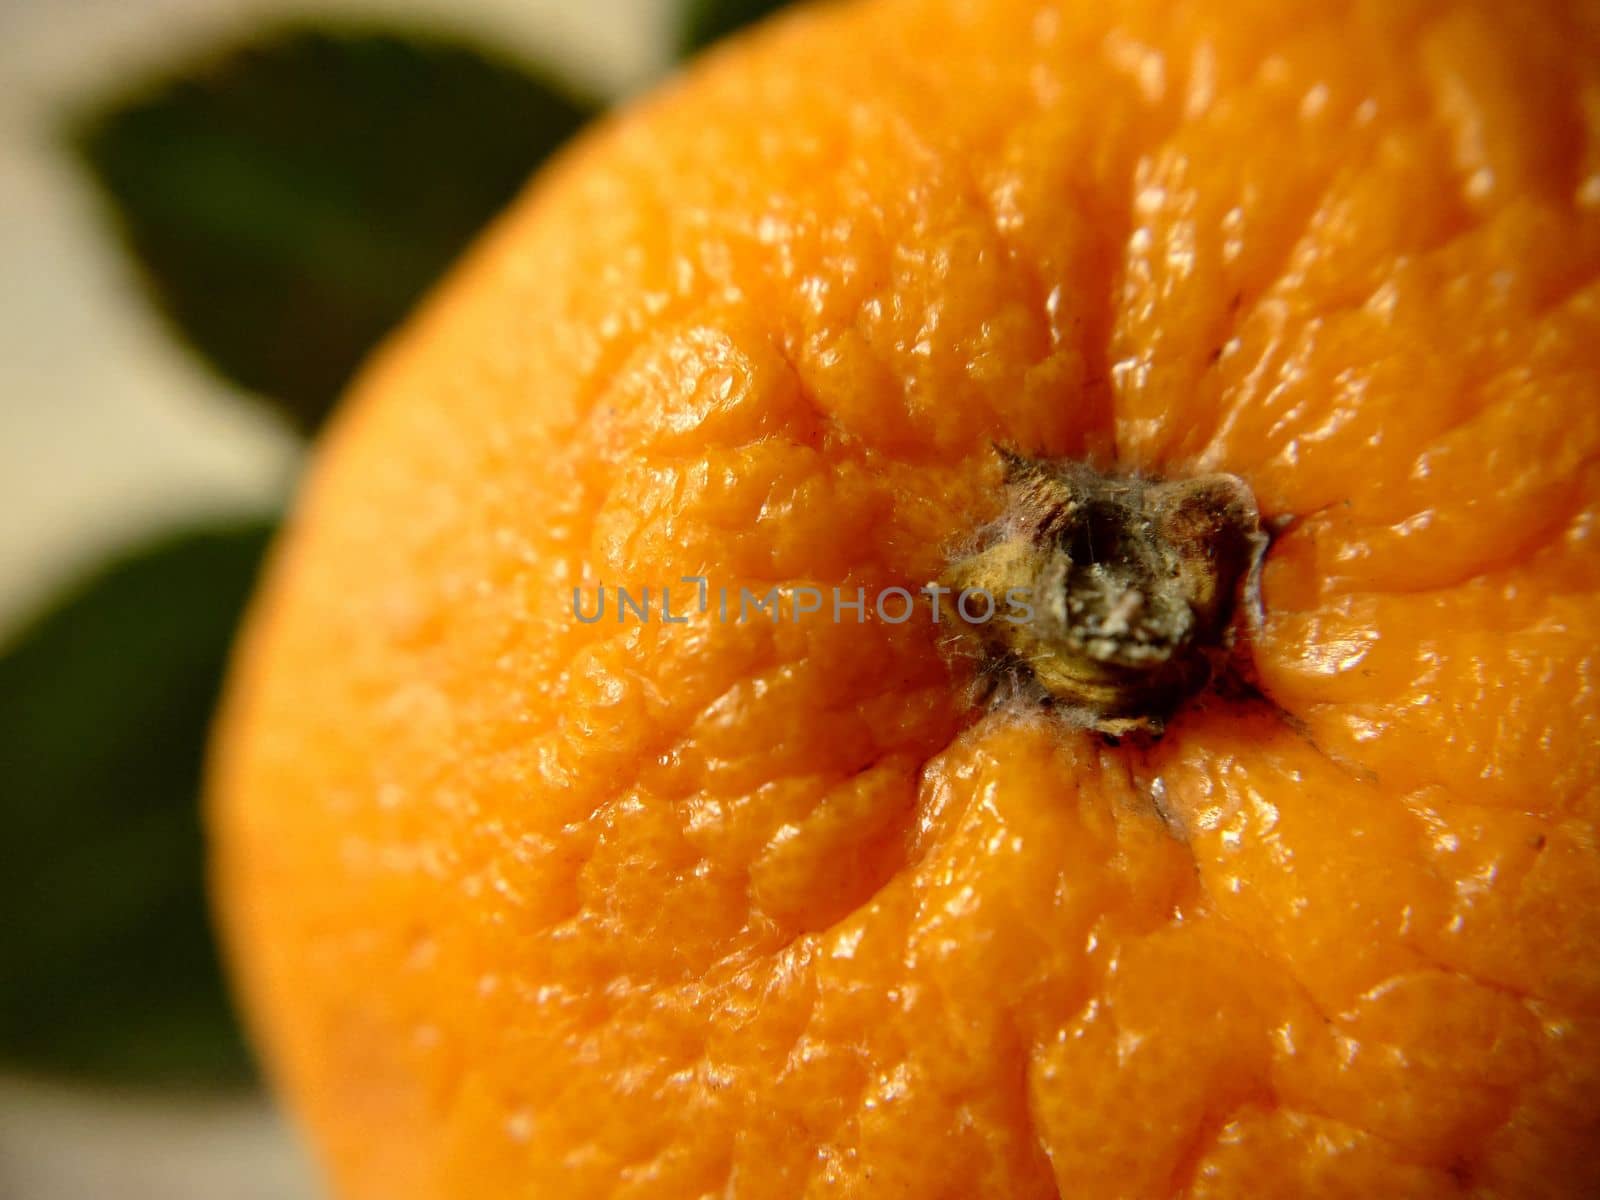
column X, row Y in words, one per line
column 524, row 907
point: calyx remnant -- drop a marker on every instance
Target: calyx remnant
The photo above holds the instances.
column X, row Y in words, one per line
column 1132, row 585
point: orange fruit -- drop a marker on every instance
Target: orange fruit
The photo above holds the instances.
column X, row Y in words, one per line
column 525, row 905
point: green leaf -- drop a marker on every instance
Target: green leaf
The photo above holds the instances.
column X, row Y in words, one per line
column 289, row 200
column 107, row 965
column 704, row 21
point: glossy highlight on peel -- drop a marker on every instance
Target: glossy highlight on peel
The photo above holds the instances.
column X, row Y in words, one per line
column 525, row 907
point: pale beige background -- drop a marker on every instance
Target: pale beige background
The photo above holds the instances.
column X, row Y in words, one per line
column 108, row 429
column 105, row 425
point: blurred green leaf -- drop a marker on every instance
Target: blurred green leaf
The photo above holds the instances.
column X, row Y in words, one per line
column 107, row 965
column 290, row 200
column 704, row 21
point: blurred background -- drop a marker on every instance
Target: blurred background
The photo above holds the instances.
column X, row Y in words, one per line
column 209, row 211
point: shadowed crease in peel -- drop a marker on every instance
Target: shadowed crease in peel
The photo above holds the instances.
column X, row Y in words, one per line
column 525, row 906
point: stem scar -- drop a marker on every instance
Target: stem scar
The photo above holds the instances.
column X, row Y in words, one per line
column 1134, row 582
